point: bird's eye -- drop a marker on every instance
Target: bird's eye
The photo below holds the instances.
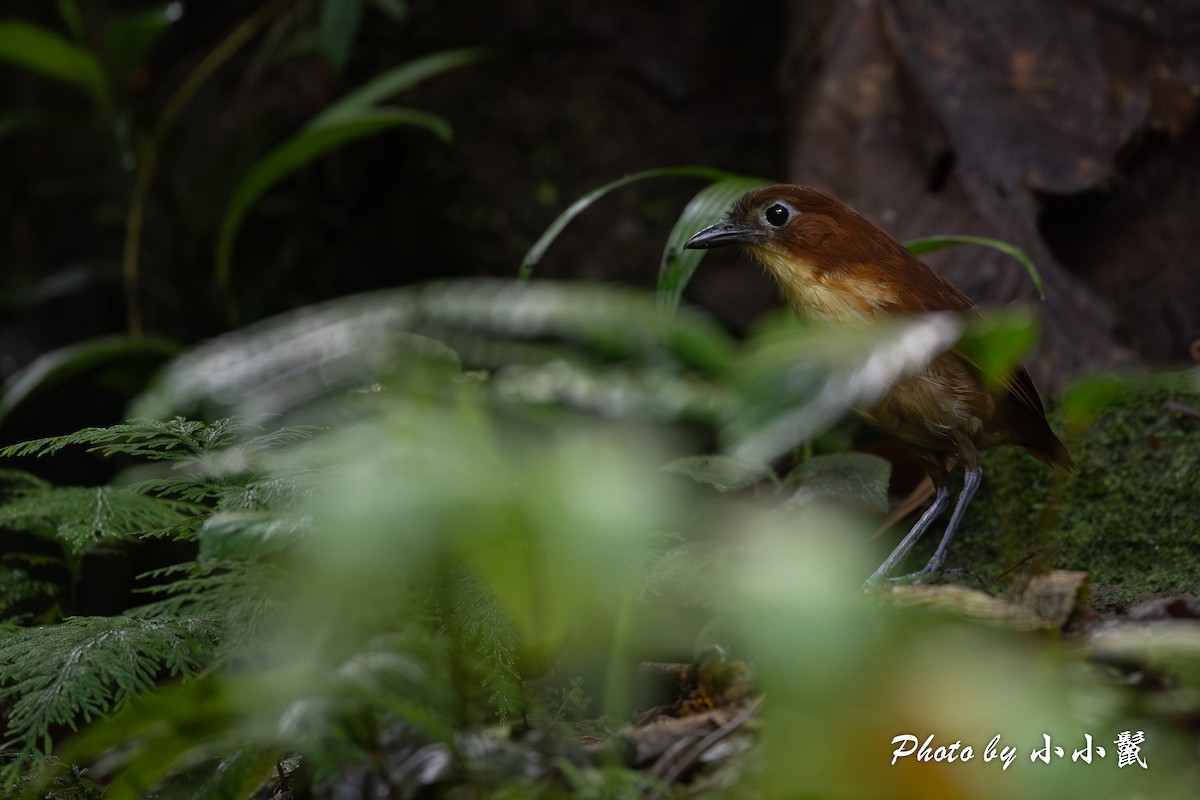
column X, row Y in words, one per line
column 777, row 215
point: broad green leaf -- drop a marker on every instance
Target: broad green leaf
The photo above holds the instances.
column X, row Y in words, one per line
column 313, row 141
column 53, row 56
column 337, row 27
column 579, row 206
column 706, row 208
column 394, row 81
column 929, row 244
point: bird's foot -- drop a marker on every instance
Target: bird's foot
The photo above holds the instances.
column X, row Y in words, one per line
column 930, row 573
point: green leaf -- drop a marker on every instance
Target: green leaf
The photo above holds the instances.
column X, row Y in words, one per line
column 282, row 364
column 995, row 342
column 146, row 438
column 53, row 56
column 723, row 473
column 794, row 380
column 394, row 81
column 302, row 148
column 82, row 519
column 929, row 244
column 58, row 365
column 860, row 479
column 337, row 27
column 579, row 206
column 396, row 10
column 130, row 37
column 68, row 11
column 706, row 208
column 84, row 667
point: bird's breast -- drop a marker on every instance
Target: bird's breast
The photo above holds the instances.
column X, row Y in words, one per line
column 845, row 297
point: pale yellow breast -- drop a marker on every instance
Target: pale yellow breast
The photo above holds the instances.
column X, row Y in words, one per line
column 834, row 298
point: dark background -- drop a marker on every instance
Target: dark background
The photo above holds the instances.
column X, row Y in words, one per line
column 1066, row 128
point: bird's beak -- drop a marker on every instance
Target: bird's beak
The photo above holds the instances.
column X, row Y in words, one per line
column 724, row 233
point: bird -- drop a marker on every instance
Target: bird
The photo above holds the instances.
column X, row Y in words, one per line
column 833, row 264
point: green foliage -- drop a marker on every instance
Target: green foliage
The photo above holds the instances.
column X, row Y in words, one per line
column 582, row 204
column 80, row 519
column 706, row 208
column 107, row 53
column 930, row 243
column 49, row 369
column 433, row 550
column 84, row 667
column 354, row 116
column 53, row 56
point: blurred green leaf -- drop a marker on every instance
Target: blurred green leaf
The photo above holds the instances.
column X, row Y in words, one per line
column 396, row 10
column 859, row 479
column 394, row 81
column 58, row 365
column 337, row 28
column 723, row 473
column 579, row 206
column 929, row 244
column 995, row 341
column 282, row 364
column 130, row 36
column 15, row 123
column 706, row 208
column 302, row 148
column 53, row 56
column 352, row 117
column 795, row 379
column 68, row 12
column 1087, row 399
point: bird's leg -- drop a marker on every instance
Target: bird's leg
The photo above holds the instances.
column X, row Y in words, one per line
column 971, row 481
column 940, row 501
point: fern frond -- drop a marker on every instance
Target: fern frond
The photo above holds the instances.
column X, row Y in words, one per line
column 80, row 519
column 283, row 437
column 474, row 618
column 267, row 492
column 18, row 586
column 153, row 439
column 242, row 593
column 84, row 667
column 22, row 481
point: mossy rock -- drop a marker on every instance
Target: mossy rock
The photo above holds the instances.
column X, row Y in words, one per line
column 1129, row 516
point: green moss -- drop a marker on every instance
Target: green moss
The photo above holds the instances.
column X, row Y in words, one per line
column 1130, row 514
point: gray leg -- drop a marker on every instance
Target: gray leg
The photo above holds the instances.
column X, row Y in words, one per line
column 940, row 501
column 971, row 482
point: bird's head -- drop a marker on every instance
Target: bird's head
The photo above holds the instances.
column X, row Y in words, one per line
column 828, row 259
column 789, row 221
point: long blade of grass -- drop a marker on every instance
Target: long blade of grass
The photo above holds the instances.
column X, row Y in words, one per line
column 930, row 243
column 302, row 148
column 394, row 81
column 579, row 206
column 705, row 208
column 53, row 56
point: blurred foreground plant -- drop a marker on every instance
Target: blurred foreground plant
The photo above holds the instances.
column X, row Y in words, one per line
column 409, row 551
